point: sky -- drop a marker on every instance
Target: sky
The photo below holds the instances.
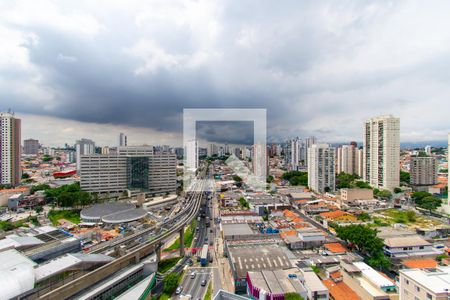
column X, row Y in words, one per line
column 92, row 69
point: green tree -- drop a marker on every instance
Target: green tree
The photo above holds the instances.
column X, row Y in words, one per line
column 364, row 217
column 418, row 196
column 366, row 241
column 292, row 296
column 170, row 283
column 39, row 187
column 430, row 203
column 47, row 158
column 397, row 190
column 382, row 194
column 344, row 180
column 38, row 209
column 405, row 177
column 296, row 177
column 25, row 176
column 243, row 202
column 237, row 178
column 269, row 179
column 362, row 185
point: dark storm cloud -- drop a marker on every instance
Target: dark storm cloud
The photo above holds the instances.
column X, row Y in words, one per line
column 231, row 132
column 318, row 68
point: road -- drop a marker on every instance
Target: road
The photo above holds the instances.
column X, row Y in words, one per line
column 192, row 286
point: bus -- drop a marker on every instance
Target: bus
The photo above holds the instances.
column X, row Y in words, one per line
column 204, row 255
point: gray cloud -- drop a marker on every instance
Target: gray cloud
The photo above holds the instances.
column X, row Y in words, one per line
column 318, row 68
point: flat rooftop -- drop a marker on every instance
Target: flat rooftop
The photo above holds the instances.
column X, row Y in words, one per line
column 436, row 280
column 258, row 258
column 277, row 281
column 237, row 229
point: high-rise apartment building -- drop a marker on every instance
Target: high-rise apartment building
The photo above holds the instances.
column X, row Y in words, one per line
column 346, row 159
column 123, row 140
column 424, row 171
column 321, row 168
column 446, row 205
column 360, row 162
column 382, row 152
column 10, row 149
column 308, row 143
column 83, row 147
column 213, row 150
column 191, row 155
column 260, row 162
column 30, row 147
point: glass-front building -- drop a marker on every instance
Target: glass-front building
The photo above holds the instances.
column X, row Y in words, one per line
column 138, row 171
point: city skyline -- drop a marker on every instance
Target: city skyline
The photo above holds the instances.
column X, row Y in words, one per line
column 204, row 54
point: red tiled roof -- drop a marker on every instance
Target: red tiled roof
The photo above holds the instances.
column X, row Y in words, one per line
column 420, row 263
column 340, row 291
column 335, row 247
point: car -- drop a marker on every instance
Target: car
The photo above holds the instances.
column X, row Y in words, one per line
column 190, row 262
column 179, row 290
column 193, row 275
column 203, row 283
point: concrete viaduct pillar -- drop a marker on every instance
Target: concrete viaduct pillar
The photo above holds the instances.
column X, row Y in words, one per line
column 158, row 252
column 182, row 241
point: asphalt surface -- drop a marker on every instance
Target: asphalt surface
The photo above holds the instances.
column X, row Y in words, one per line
column 192, row 286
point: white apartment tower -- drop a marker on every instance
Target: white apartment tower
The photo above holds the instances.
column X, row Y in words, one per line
column 321, row 168
column 382, row 152
column 295, row 154
column 446, row 206
column 308, row 143
column 84, row 147
column 10, row 149
column 191, row 155
column 213, row 150
column 123, row 140
column 346, row 158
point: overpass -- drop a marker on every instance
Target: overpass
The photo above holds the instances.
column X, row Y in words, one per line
column 174, row 225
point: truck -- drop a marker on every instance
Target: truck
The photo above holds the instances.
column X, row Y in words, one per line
column 204, row 255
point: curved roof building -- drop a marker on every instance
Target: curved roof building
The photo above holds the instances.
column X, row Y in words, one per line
column 112, row 212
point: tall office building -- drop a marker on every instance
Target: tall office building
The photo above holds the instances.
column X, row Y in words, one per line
column 382, row 152
column 10, row 149
column 346, row 159
column 308, row 143
column 84, row 147
column 30, row 147
column 132, row 168
column 424, row 171
column 123, row 140
column 321, row 168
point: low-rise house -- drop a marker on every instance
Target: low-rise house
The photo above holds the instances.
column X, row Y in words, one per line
column 399, row 248
column 313, row 285
column 334, row 249
column 367, row 282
